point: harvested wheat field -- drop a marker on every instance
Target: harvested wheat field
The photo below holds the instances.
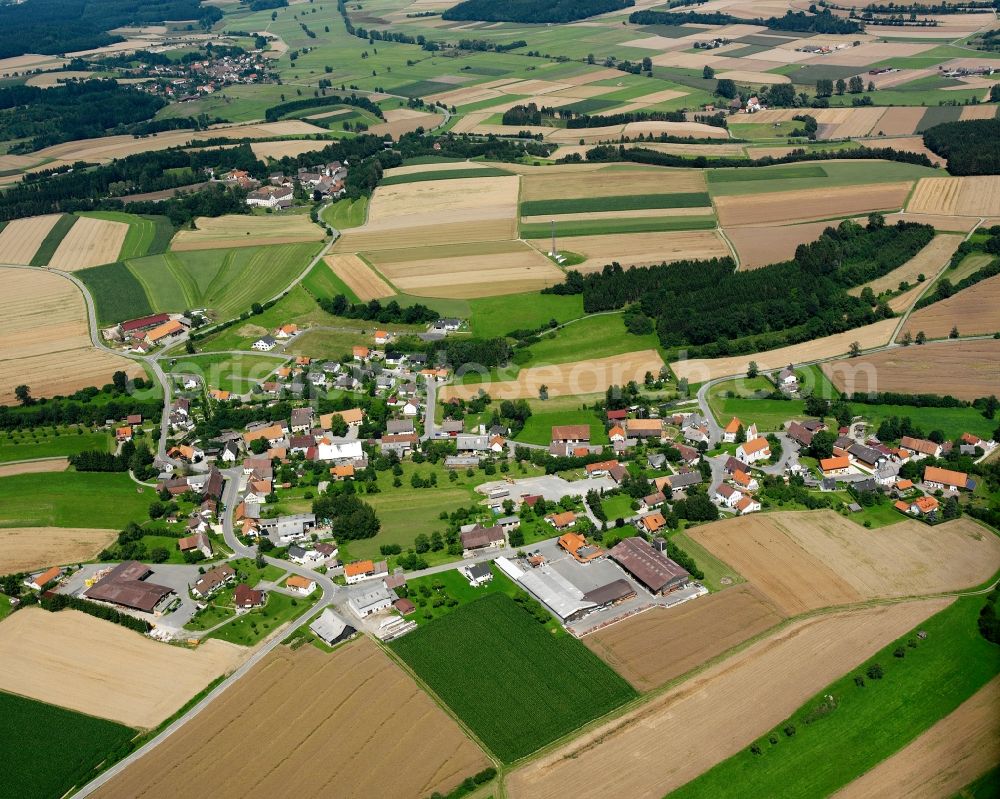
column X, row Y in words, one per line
column 490, row 195
column 468, row 270
column 610, row 183
column 641, row 249
column 291, row 148
column 698, row 370
column 26, row 548
column 34, row 467
column 21, row 238
column 578, row 377
column 702, row 721
column 419, row 169
column 45, row 334
column 940, row 222
column 359, row 277
column 87, row 664
column 786, row 206
column 389, row 236
column 974, row 311
column 802, row 561
column 981, row 111
column 928, row 262
column 900, row 121
column 349, row 711
column 962, row 746
column 238, row 230
column 907, row 144
column 965, row 369
column 663, row 643
column 971, row 196
column 90, row 242
column 398, row 126
column 770, row 244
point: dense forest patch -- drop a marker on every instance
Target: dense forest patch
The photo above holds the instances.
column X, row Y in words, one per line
column 971, row 147
column 533, row 10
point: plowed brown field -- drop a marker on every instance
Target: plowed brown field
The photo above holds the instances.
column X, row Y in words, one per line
column 771, row 244
column 45, row 341
column 660, row 746
column 87, row 664
column 807, row 560
column 962, row 746
column 26, row 548
column 965, row 369
column 90, row 242
column 34, row 467
column 349, row 724
column 359, row 277
column 975, row 310
column 663, row 643
column 783, row 206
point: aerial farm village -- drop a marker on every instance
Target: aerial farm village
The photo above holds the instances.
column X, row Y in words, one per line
column 533, row 398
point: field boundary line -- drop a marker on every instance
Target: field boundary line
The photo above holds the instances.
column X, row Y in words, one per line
column 145, row 286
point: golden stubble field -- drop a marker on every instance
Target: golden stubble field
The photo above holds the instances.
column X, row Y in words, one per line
column 965, row 196
column 803, row 204
column 87, row 664
column 21, row 238
column 965, row 369
column 663, row 643
column 610, row 183
column 238, row 230
column 803, row 561
column 26, row 548
column 45, row 340
column 770, row 244
column 307, row 723
column 928, row 262
column 975, row 310
column 578, row 377
column 90, row 242
column 639, row 249
column 359, row 277
column 658, row 747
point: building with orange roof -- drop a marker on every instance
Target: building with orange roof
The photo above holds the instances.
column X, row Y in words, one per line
column 300, row 585
column 286, row 331
column 924, row 505
column 577, row 546
column 744, row 480
column 272, row 434
column 284, row 371
column 302, row 360
column 748, row 505
column 561, row 521
column 653, row 523
column 754, row 450
column 730, row 430
column 40, row 581
column 353, row 417
column 936, row 477
column 382, row 337
column 600, row 468
column 358, row 571
column 902, row 484
column 219, row 395
column 342, row 472
column 836, row 465
column 123, row 433
column 616, row 434
column 644, row 428
column 901, row 506
column 164, row 331
column 360, row 353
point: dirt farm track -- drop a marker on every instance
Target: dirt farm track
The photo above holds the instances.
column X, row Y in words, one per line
column 690, row 728
column 349, row 724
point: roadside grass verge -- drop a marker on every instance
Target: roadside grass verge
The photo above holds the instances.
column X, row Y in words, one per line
column 533, row 695
column 53, row 239
column 646, row 224
column 835, row 741
column 626, row 202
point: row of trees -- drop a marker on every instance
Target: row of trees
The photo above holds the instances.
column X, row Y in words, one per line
column 532, row 10
column 821, row 22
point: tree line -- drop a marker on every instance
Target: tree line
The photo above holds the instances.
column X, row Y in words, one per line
column 57, row 602
column 532, row 10
column 709, row 302
column 822, row 22
column 276, row 112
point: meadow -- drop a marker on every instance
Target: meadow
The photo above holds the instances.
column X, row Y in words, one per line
column 72, row 499
column 497, row 316
column 517, row 686
column 48, row 443
column 538, row 427
column 346, row 213
column 734, row 181
column 833, row 742
column 116, row 292
column 48, row 750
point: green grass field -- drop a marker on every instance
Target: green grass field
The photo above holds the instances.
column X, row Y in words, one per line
column 117, row 294
column 791, row 172
column 47, row 444
column 48, row 750
column 52, row 240
column 838, row 173
column 538, row 427
column 600, row 227
column 497, row 316
column 227, row 281
column 72, row 499
column 237, row 373
column 537, row 686
column 249, row 628
column 833, row 744
column 452, row 585
column 345, row 214
column 322, row 282
column 627, row 202
column 146, row 235
column 450, row 174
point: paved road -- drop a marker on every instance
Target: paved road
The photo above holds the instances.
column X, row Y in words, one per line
column 430, row 410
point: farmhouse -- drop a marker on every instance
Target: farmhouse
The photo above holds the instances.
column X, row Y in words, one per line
column 401, row 444
column 837, row 465
column 126, row 585
column 331, row 628
column 571, row 434
column 865, row 456
column 198, row 541
column 800, row 434
column 142, row 324
column 213, row 580
column 755, row 450
column 924, row 506
column 371, row 600
column 644, row 428
column 936, row 477
column 165, row 332
column 561, row 521
column 480, row 538
column 300, row 585
column 270, row 197
column 39, row 581
column 358, row 571
column 655, row 571
column 748, row 505
column 919, row 447
column 577, row 546
column 652, row 523
column 681, row 482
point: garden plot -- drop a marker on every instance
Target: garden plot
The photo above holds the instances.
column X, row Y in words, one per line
column 90, row 242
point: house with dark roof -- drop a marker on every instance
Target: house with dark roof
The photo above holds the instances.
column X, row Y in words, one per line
column 477, row 574
column 480, row 538
column 211, row 581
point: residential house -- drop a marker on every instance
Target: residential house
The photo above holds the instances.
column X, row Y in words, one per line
column 358, row 571
column 246, row 598
column 270, row 197
column 800, row 434
column 679, row 483
column 840, row 464
column 571, row 434
column 924, row 506
column 654, row 500
column 477, row 574
column 264, row 344
column 726, row 495
column 402, row 444
column 199, row 541
column 866, row 457
column 600, row 469
column 286, row 331
column 656, row 460
column 283, row 530
column 479, row 539
column 329, row 448
column 39, row 581
column 919, row 447
column 652, row 523
column 616, row 434
column 123, row 434
column 747, row 505
column 689, row 455
column 745, row 481
column 935, row 477
column 472, row 442
column 451, row 427
column 787, row 379
column 561, row 521
column 214, row 579
column 644, row 428
column 301, row 419
column 731, row 430
column 360, row 353
column 300, row 585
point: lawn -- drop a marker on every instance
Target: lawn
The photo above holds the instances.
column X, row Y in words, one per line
column 618, row 506
column 497, row 316
column 255, row 625
column 592, row 337
column 72, row 499
column 47, row 444
column 835, row 742
column 227, row 372
column 600, row 227
column 627, row 202
column 881, row 515
column 48, row 750
column 428, row 592
column 538, row 428
column 516, row 685
column 117, row 293
column 345, row 214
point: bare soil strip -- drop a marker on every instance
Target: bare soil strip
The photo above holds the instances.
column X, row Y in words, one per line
column 663, row 643
column 702, row 721
column 944, row 759
column 96, row 667
column 331, row 723
column 967, row 370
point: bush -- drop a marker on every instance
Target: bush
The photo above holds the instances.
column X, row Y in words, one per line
column 875, row 672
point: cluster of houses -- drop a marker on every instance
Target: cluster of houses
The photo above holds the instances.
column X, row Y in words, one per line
column 323, row 180
column 143, row 334
column 184, row 81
